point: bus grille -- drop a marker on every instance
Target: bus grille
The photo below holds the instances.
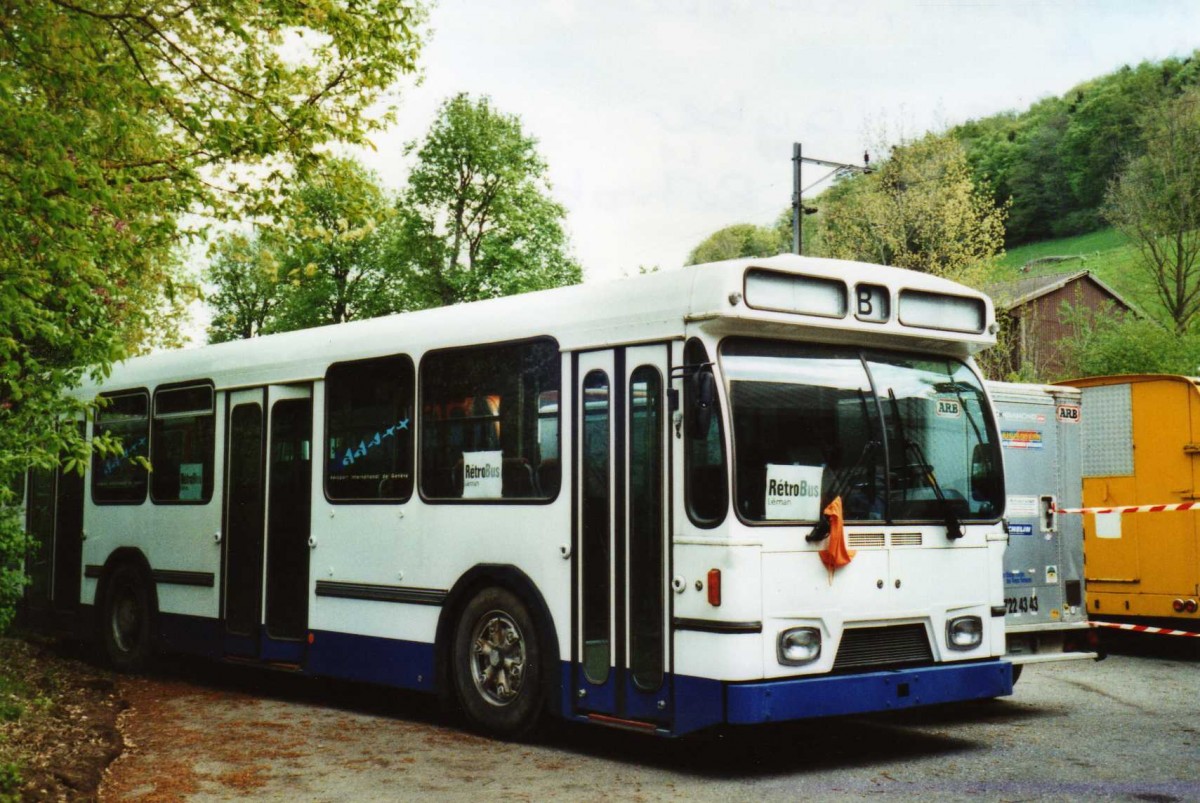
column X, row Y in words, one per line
column 864, row 540
column 883, row 647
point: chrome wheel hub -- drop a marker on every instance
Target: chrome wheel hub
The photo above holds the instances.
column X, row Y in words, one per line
column 126, row 622
column 498, row 658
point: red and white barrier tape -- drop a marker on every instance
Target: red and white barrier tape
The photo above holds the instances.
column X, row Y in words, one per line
column 1162, row 631
column 1130, row 508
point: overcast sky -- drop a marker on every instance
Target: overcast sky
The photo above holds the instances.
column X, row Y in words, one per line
column 664, row 121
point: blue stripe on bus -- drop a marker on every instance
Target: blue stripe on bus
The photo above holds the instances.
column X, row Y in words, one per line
column 195, row 635
column 698, row 702
column 777, row 701
column 404, row 664
column 370, row 659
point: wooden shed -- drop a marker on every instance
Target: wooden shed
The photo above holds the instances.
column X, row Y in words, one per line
column 1033, row 309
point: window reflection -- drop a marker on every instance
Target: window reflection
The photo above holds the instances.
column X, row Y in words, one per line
column 898, row 437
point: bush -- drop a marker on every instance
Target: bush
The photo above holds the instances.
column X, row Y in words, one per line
column 1078, row 222
column 13, row 543
column 1106, row 343
column 10, row 782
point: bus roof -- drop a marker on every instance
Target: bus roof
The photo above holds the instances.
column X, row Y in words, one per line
column 785, row 296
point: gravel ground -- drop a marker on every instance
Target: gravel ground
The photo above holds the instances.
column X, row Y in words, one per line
column 1127, row 728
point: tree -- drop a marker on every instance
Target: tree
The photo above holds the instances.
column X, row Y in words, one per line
column 1054, row 161
column 737, row 241
column 245, row 273
column 118, row 116
column 1156, row 203
column 477, row 220
column 330, row 250
column 919, row 209
column 1042, row 201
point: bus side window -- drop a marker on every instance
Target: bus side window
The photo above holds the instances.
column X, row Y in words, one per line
column 368, row 408
column 181, row 451
column 490, row 422
column 121, row 478
column 707, row 487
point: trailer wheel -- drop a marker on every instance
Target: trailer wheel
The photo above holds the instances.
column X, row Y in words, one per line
column 497, row 664
column 127, row 619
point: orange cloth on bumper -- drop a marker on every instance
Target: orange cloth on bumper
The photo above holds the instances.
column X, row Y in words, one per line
column 835, row 555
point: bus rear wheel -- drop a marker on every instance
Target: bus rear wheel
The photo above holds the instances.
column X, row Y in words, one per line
column 126, row 622
column 497, row 664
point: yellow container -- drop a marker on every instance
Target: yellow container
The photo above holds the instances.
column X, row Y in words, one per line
column 1141, row 446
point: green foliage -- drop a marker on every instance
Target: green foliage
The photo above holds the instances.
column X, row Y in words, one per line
column 1108, row 343
column 244, row 273
column 119, row 116
column 477, row 220
column 1155, row 202
column 330, row 250
column 740, row 240
column 323, row 263
column 1054, row 161
column 10, row 710
column 13, row 545
column 11, row 693
column 10, row 782
column 918, row 209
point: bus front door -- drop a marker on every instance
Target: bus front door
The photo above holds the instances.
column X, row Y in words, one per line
column 622, row 519
column 269, row 484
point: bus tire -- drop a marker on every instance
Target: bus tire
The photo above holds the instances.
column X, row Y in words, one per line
column 1016, row 672
column 127, row 619
column 497, row 664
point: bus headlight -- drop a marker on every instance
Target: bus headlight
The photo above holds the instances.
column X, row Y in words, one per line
column 964, row 632
column 799, row 645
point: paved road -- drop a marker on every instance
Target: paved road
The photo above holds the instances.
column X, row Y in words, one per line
column 1127, row 728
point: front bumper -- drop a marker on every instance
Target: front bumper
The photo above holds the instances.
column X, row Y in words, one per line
column 836, row 695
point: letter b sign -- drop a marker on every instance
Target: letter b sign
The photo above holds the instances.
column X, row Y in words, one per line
column 871, row 303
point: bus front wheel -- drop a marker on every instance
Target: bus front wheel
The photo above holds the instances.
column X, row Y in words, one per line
column 497, row 664
column 127, row 619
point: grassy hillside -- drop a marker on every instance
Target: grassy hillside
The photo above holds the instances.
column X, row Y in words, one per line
column 1106, row 253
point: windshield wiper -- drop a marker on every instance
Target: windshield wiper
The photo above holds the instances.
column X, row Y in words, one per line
column 953, row 525
column 957, row 389
column 840, row 485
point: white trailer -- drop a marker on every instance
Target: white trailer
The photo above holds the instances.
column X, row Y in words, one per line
column 1046, row 617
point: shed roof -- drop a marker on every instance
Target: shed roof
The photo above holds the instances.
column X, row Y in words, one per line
column 1008, row 295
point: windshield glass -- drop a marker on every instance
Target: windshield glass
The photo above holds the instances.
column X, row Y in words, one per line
column 898, row 437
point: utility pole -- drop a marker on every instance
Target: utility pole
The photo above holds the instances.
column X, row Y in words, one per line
column 797, row 236
column 798, row 209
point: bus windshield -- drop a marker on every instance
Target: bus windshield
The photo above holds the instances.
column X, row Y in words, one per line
column 898, row 437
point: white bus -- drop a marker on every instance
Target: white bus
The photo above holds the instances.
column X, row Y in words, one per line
column 602, row 502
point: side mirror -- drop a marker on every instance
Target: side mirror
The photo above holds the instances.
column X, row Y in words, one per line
column 702, row 400
column 986, row 477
